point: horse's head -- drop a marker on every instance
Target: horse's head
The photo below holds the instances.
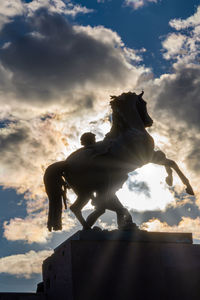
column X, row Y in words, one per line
column 131, row 108
column 142, row 110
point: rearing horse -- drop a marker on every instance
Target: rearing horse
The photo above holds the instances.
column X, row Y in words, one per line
column 98, row 171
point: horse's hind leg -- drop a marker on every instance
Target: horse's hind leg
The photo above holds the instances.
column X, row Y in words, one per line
column 92, row 218
column 76, row 207
column 123, row 216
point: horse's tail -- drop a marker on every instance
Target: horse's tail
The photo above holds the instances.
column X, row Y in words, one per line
column 56, row 188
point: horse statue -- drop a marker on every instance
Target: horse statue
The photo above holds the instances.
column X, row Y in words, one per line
column 96, row 171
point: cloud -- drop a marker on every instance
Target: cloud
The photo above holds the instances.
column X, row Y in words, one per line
column 172, row 214
column 55, row 79
column 139, row 187
column 56, row 6
column 33, row 228
column 183, row 46
column 25, row 146
column 138, row 3
column 192, row 21
column 178, row 95
column 12, row 8
column 175, row 100
column 185, row 225
column 173, row 45
column 50, row 59
column 24, row 265
column 176, row 115
column 53, row 86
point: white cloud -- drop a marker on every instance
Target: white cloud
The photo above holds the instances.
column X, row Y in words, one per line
column 183, row 46
column 30, row 229
column 185, row 225
column 138, row 3
column 192, row 21
column 24, row 265
column 173, row 45
column 11, row 8
column 33, row 228
column 56, row 6
column 106, row 226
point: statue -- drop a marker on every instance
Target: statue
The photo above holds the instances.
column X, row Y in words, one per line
column 98, row 169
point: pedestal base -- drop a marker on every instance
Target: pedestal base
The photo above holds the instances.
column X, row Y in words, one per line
column 123, row 268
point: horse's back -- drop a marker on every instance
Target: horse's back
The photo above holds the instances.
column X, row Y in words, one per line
column 85, row 168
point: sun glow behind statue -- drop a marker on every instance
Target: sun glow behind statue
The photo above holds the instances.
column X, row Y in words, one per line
column 149, row 191
column 158, row 196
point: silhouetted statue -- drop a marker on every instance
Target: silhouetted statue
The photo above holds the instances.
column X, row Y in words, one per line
column 97, row 170
column 88, row 139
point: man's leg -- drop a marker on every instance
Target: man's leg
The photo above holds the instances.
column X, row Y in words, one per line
column 123, row 215
column 92, row 218
column 76, row 207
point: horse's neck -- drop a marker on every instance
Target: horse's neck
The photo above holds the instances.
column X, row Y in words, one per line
column 121, row 125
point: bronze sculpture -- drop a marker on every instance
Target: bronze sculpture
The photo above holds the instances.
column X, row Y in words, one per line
column 96, row 171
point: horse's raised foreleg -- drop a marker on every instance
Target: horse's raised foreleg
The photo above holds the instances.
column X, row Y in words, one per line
column 169, row 178
column 160, row 159
column 76, row 208
column 183, row 178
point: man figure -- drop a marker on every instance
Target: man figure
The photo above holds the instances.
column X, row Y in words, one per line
column 102, row 200
column 88, row 139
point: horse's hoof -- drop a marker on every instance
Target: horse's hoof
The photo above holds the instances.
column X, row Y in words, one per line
column 129, row 227
column 97, row 228
column 189, row 190
column 86, row 227
column 169, row 180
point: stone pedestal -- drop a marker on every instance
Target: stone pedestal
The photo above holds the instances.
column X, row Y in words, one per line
column 22, row 296
column 124, row 266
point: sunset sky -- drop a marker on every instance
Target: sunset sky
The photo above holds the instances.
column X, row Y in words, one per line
column 60, row 60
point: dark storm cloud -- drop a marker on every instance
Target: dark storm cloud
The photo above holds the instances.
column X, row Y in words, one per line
column 48, row 56
column 172, row 215
column 23, row 145
column 193, row 157
column 178, row 107
column 179, row 96
column 139, row 187
column 12, row 146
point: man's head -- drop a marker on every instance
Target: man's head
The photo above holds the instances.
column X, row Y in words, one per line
column 87, row 139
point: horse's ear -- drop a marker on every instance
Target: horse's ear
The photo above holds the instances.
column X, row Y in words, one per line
column 140, row 95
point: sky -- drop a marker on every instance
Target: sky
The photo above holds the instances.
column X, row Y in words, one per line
column 59, row 63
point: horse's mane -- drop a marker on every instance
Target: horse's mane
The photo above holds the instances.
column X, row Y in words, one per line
column 118, row 123
column 118, row 100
